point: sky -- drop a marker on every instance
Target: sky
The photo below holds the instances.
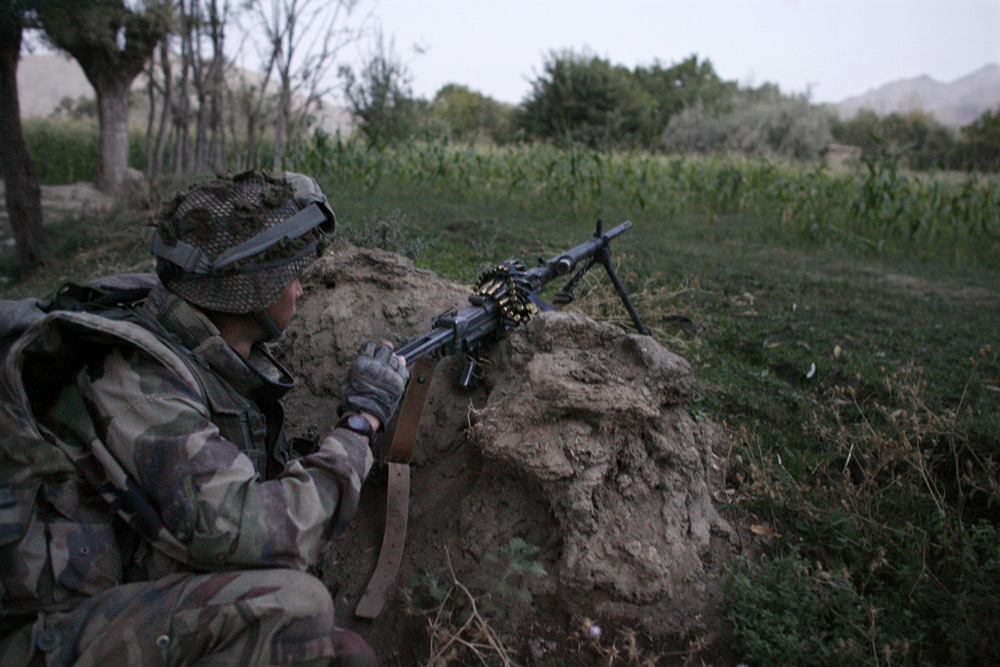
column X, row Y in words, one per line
column 832, row 49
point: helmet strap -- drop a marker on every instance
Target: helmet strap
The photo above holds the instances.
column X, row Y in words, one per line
column 265, row 320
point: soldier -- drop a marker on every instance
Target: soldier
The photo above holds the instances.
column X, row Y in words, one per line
column 172, row 523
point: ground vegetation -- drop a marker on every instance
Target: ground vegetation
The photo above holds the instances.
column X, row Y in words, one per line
column 840, row 329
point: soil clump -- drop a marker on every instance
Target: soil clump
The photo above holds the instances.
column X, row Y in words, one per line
column 575, row 456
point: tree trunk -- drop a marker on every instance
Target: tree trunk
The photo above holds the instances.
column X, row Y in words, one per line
column 151, row 89
column 217, row 150
column 281, row 124
column 112, row 111
column 112, row 44
column 22, row 192
column 155, row 167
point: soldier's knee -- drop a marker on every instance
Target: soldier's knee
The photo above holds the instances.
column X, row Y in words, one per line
column 314, row 607
column 304, row 595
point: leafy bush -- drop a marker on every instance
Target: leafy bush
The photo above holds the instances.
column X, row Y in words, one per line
column 778, row 126
column 794, row 612
column 379, row 95
column 916, row 138
column 471, row 116
column 979, row 148
column 583, row 99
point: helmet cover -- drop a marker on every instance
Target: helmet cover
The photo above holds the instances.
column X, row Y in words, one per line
column 245, row 211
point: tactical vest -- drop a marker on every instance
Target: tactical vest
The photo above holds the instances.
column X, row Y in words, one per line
column 55, row 496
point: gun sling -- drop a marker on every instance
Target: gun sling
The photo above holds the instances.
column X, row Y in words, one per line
column 398, row 491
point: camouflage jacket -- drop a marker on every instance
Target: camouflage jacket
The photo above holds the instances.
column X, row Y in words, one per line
column 164, row 452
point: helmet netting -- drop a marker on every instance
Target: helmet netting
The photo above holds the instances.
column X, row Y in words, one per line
column 221, row 214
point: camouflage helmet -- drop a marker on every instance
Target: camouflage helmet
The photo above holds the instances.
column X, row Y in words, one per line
column 232, row 245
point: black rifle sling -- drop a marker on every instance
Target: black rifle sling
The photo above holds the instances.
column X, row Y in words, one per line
column 398, row 491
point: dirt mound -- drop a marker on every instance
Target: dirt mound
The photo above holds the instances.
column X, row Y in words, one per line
column 595, row 419
column 577, row 444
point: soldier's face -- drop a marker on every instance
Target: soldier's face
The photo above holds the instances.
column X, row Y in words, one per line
column 284, row 308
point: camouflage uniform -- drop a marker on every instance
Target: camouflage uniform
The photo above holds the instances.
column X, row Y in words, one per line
column 200, row 556
column 148, row 428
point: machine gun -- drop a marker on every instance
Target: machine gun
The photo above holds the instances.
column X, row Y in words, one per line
column 508, row 295
column 505, row 297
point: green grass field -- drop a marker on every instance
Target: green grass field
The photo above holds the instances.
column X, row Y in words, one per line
column 842, row 325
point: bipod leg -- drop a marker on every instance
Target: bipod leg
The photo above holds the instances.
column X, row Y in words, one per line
column 605, row 259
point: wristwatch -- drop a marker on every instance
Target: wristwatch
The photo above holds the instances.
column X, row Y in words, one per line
column 359, row 425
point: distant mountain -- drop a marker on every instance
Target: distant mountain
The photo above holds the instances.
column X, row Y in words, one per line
column 956, row 104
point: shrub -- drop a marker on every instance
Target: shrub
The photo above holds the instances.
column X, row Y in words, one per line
column 65, row 150
column 917, row 138
column 793, row 612
column 782, row 126
column 583, row 99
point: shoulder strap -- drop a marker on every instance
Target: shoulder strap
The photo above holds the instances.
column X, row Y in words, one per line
column 51, row 335
column 102, row 294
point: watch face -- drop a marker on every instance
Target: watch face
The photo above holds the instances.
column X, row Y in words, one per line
column 360, row 425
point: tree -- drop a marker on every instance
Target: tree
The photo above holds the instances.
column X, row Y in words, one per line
column 683, row 85
column 470, row 115
column 985, row 129
column 580, row 98
column 112, row 43
column 980, row 147
column 194, row 97
column 22, row 192
column 915, row 136
column 303, row 38
column 379, row 95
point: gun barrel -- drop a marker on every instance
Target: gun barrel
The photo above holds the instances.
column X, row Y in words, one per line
column 568, row 260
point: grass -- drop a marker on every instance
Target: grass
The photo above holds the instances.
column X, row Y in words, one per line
column 844, row 332
column 842, row 327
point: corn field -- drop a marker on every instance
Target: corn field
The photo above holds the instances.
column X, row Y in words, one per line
column 875, row 206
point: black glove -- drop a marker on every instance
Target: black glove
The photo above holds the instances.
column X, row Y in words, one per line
column 375, row 382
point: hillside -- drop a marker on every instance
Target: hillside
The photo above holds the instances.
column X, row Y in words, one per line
column 45, row 79
column 956, row 103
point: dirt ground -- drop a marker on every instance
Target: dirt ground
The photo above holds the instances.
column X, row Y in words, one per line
column 62, row 201
column 570, row 490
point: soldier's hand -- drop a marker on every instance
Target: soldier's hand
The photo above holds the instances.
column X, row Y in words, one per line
column 375, row 383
